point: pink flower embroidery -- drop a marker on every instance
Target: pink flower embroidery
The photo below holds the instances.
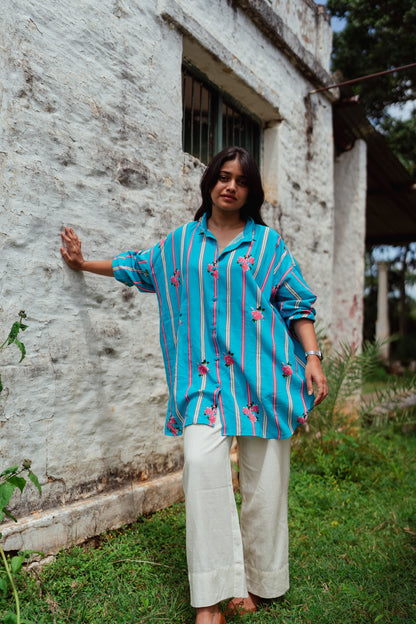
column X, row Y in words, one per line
column 257, row 314
column 245, row 262
column 203, row 368
column 174, row 280
column 251, row 410
column 212, row 413
column 228, row 359
column 286, row 370
column 302, row 419
column 274, row 291
column 171, row 426
column 212, row 268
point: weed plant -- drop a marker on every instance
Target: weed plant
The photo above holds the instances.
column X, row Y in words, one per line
column 11, row 479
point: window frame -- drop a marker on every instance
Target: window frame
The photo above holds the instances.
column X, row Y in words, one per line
column 218, row 99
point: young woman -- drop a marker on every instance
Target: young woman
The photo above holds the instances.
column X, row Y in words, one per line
column 241, row 359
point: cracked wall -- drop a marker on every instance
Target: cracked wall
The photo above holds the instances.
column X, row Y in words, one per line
column 91, row 131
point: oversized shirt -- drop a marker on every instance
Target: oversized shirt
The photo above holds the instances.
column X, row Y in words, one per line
column 225, row 334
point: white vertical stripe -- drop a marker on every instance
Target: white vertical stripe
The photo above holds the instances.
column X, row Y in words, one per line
column 167, row 292
column 228, row 342
column 262, row 250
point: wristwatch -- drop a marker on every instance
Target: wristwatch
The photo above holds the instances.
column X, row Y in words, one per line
column 317, row 353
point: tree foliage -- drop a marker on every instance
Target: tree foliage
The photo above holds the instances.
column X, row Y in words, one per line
column 379, row 36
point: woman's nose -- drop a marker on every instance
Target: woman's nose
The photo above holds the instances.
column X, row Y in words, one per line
column 232, row 185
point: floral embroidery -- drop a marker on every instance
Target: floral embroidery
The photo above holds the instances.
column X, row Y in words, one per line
column 228, row 359
column 275, row 290
column 212, row 413
column 203, row 368
column 286, row 370
column 212, row 268
column 171, row 425
column 302, row 419
column 251, row 410
column 175, row 280
column 257, row 314
column 246, row 262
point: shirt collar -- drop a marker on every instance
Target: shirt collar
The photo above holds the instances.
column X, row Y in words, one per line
column 248, row 233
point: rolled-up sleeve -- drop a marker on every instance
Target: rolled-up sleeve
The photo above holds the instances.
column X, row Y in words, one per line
column 291, row 294
column 132, row 269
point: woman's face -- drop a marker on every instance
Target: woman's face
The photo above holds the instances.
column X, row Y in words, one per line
column 231, row 189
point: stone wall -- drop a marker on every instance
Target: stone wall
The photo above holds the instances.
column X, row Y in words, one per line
column 90, row 118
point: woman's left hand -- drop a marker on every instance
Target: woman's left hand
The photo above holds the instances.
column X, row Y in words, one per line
column 315, row 375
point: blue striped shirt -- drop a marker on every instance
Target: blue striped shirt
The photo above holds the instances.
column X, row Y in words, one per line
column 225, row 334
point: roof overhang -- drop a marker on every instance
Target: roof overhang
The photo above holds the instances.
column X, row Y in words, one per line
column 391, row 191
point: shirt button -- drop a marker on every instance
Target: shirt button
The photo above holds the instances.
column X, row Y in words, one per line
column 214, row 298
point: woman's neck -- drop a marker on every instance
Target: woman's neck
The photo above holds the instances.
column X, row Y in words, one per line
column 221, row 221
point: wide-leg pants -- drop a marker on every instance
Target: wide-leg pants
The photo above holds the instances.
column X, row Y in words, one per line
column 228, row 558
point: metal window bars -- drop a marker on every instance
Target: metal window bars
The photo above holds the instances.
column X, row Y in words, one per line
column 212, row 121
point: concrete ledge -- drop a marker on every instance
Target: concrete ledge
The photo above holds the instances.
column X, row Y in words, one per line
column 50, row 531
column 272, row 27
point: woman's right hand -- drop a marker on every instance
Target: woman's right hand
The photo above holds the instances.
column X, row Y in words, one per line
column 71, row 250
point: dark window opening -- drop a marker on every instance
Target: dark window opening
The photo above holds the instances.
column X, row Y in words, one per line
column 212, row 120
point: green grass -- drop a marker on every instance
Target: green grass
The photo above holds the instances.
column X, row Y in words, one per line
column 352, row 553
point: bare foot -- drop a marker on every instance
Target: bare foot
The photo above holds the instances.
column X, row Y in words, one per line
column 209, row 615
column 241, row 606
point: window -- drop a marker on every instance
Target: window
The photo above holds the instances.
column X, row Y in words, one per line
column 213, row 120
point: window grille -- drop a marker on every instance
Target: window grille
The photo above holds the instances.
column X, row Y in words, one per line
column 212, row 120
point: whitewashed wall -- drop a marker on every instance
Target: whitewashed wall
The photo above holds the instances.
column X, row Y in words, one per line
column 90, row 119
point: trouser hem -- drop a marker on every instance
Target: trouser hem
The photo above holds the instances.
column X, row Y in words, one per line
column 209, row 588
column 267, row 584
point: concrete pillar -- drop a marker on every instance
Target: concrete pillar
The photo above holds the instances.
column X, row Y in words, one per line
column 382, row 323
column 350, row 191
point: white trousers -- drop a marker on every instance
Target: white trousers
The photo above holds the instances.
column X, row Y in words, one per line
column 228, row 558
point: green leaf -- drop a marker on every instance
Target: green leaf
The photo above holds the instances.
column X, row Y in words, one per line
column 9, row 470
column 8, row 514
column 16, row 563
column 6, row 492
column 3, row 585
column 1, row 385
column 14, row 332
column 18, row 482
column 22, row 348
column 10, row 618
column 34, row 480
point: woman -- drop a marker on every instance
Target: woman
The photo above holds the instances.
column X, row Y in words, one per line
column 241, row 359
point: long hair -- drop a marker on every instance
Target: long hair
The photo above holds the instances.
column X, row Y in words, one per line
column 250, row 171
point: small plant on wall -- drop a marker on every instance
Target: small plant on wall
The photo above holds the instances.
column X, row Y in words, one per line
column 11, row 479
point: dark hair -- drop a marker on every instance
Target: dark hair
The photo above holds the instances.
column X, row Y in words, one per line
column 250, row 170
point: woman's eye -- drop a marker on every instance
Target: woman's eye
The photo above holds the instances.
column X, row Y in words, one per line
column 243, row 183
column 223, row 178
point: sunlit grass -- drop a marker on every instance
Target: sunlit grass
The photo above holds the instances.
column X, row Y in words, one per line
column 352, row 554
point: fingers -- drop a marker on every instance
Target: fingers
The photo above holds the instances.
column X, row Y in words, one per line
column 315, row 375
column 322, row 393
column 69, row 236
column 322, row 389
column 71, row 249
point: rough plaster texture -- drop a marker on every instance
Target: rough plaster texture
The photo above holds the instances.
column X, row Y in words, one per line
column 90, row 116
